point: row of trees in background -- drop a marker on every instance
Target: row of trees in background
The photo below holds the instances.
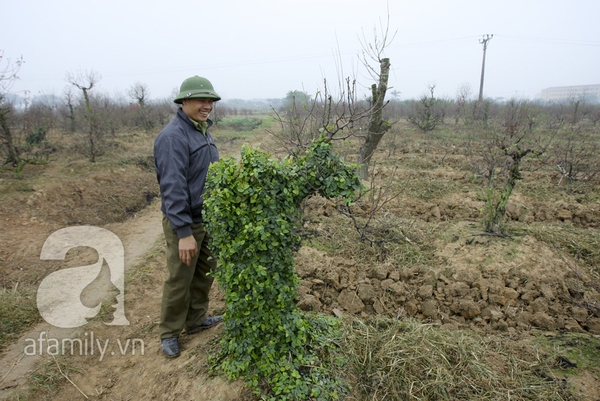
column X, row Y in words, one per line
column 429, row 111
column 88, row 115
column 514, row 130
column 94, row 115
column 499, row 138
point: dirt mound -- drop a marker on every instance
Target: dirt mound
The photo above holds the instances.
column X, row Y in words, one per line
column 467, row 206
column 479, row 283
column 58, row 199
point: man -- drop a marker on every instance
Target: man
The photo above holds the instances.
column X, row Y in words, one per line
column 183, row 152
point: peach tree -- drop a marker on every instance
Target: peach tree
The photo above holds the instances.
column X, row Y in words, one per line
column 251, row 211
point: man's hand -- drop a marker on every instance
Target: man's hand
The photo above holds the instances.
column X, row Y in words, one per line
column 188, row 248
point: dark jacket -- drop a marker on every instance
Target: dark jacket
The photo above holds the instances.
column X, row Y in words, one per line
column 182, row 155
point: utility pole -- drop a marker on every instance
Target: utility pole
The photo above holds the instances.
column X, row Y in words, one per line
column 484, row 42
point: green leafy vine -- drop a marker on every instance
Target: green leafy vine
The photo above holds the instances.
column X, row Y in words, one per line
column 251, row 211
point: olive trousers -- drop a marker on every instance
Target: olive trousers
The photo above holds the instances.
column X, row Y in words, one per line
column 185, row 292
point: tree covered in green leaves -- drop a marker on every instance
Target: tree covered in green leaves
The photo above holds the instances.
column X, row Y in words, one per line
column 251, row 211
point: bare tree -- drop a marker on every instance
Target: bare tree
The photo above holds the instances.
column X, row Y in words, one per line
column 300, row 119
column 69, row 113
column 496, row 203
column 8, row 75
column 575, row 155
column 377, row 126
column 465, row 107
column 140, row 93
column 85, row 81
column 504, row 153
column 303, row 118
column 39, row 118
column 339, row 117
column 220, row 111
column 518, row 115
column 368, row 214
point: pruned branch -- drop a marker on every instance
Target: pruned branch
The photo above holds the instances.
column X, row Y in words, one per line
column 366, row 214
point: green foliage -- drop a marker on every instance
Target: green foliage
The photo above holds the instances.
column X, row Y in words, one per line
column 493, row 218
column 21, row 162
column 242, row 124
column 495, row 206
column 297, row 100
column 428, row 113
column 36, row 137
column 581, row 349
column 251, row 210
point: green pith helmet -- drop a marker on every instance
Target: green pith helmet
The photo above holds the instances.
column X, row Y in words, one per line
column 196, row 87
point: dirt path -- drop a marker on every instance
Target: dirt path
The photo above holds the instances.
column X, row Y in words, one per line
column 138, row 236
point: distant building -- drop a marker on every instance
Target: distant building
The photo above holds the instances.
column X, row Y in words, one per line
column 589, row 93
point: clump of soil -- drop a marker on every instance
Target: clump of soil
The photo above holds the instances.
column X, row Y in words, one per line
column 479, row 282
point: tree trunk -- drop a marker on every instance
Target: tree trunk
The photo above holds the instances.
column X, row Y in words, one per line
column 494, row 221
column 13, row 154
column 377, row 126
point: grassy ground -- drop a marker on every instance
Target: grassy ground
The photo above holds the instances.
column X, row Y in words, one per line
column 380, row 357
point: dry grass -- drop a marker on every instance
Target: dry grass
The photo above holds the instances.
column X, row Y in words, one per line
column 46, row 379
column 17, row 313
column 408, row 360
column 407, row 241
column 581, row 243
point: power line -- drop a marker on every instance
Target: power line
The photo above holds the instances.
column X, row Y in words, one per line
column 433, row 42
column 502, row 37
column 577, row 42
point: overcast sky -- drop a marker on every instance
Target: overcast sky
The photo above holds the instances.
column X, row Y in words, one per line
column 257, row 49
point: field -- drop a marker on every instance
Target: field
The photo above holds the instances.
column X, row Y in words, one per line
column 432, row 306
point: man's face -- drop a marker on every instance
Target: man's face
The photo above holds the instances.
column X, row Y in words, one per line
column 197, row 109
